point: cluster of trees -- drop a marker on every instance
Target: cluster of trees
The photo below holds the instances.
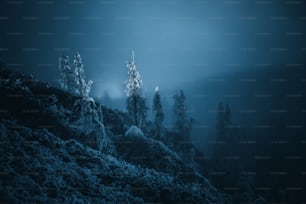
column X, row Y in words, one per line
column 137, row 108
column 229, row 163
column 72, row 76
column 73, row 80
column 178, row 138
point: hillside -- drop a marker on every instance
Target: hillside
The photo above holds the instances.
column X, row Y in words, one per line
column 56, row 149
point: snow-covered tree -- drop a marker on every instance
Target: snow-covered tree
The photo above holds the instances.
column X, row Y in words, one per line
column 136, row 105
column 182, row 123
column 133, row 86
column 158, row 112
column 74, row 81
column 82, row 85
column 67, row 76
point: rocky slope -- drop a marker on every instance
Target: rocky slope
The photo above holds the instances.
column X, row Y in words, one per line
column 55, row 149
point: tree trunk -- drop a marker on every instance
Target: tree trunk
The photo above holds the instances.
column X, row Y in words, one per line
column 135, row 111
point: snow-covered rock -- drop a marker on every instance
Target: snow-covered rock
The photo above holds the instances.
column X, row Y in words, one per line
column 134, row 131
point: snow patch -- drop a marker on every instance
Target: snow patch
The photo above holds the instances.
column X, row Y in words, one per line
column 134, row 131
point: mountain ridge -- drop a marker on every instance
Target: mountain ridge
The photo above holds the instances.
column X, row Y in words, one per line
column 56, row 144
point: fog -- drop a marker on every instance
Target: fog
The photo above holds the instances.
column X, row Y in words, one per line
column 189, row 45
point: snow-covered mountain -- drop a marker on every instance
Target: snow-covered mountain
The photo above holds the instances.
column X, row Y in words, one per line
column 60, row 148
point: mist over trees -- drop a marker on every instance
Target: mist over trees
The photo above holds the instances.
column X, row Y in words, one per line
column 227, row 162
column 177, row 137
column 133, row 137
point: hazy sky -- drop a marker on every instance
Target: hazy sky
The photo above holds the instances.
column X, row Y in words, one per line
column 175, row 42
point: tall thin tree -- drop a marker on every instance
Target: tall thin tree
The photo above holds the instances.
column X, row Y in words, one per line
column 67, row 77
column 82, row 85
column 158, row 112
column 136, row 105
column 182, row 123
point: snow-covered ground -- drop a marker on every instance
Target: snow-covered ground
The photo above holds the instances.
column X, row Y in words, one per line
column 54, row 148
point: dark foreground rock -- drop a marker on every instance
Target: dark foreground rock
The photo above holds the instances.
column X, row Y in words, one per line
column 37, row 166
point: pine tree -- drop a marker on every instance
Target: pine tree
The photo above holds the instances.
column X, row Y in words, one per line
column 227, row 145
column 182, row 124
column 179, row 110
column 227, row 115
column 82, row 85
column 136, row 105
column 224, row 119
column 158, row 112
column 221, row 120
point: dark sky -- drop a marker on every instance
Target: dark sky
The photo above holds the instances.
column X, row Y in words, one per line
column 240, row 52
column 175, row 42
